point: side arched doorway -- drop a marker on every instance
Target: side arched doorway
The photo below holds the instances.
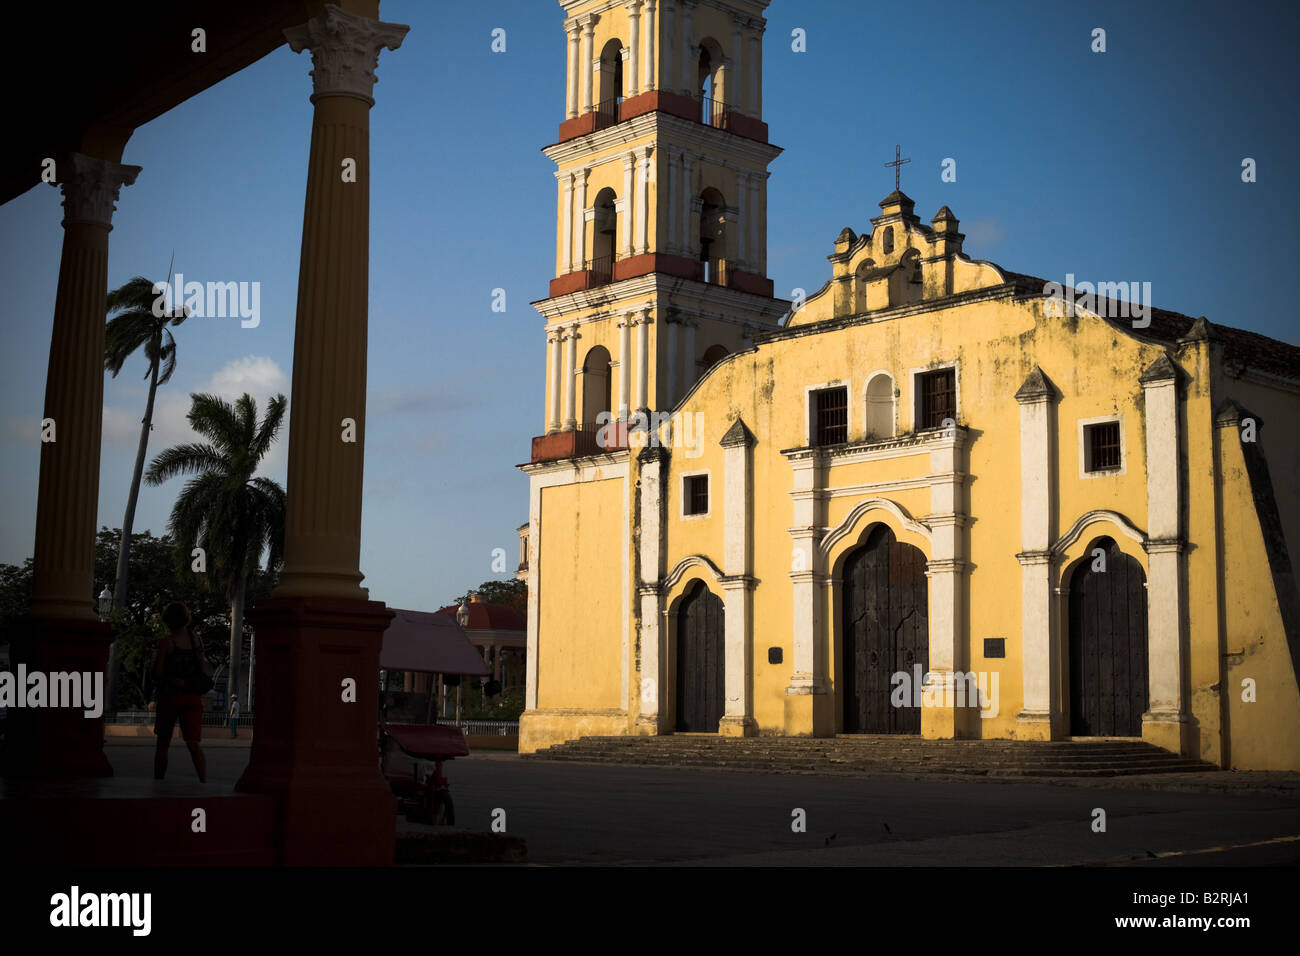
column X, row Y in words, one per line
column 886, row 630
column 1108, row 643
column 700, row 663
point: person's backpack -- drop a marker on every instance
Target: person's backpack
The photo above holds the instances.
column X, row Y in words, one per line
column 200, row 680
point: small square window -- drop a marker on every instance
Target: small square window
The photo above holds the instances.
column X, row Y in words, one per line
column 937, row 396
column 830, row 413
column 1102, row 447
column 696, row 495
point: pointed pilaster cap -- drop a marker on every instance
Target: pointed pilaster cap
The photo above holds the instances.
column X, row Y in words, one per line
column 1231, row 414
column 1037, row 387
column 1201, row 331
column 1161, row 370
column 944, row 215
column 652, row 453
column 738, row 434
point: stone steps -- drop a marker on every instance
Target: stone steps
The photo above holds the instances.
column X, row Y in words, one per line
column 878, row 754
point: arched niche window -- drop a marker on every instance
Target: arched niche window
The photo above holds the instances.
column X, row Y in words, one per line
column 712, row 356
column 596, row 378
column 887, row 240
column 711, row 82
column 605, row 228
column 860, row 285
column 881, row 406
column 610, row 84
column 713, row 233
column 911, row 262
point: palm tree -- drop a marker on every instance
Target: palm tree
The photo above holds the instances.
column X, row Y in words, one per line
column 225, row 509
column 136, row 325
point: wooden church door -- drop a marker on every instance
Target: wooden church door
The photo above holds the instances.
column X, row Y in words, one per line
column 1108, row 644
column 886, row 631
column 700, row 663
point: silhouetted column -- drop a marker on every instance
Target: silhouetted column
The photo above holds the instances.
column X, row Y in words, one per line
column 318, row 637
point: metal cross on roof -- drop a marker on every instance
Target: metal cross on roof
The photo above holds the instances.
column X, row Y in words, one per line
column 897, row 164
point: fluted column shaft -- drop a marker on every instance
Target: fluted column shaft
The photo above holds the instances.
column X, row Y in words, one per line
column 68, row 491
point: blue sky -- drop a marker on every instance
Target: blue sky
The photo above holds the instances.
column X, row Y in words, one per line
column 1123, row 165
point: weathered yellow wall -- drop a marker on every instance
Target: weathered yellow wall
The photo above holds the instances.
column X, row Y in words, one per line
column 579, row 637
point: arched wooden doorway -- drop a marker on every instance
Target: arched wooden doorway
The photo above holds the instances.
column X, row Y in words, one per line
column 700, row 664
column 1108, row 643
column 886, row 630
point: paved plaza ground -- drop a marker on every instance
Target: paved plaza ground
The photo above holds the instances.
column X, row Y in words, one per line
column 595, row 814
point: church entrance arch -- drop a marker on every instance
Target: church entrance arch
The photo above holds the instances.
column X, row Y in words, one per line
column 1108, row 643
column 885, row 631
column 700, row 662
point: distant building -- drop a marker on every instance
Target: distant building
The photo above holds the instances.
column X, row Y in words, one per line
column 501, row 636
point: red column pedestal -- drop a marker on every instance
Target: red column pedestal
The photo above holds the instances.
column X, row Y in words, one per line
column 312, row 749
column 62, row 741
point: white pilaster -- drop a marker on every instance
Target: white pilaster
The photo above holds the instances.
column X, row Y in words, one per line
column 571, row 78
column 688, row 355
column 737, row 583
column 754, row 214
column 554, row 342
column 648, row 73
column 1039, row 645
column 689, row 63
column 624, row 365
column 670, row 357
column 579, row 213
column 805, row 575
column 643, row 200
column 946, row 571
column 687, row 195
column 666, row 71
column 588, row 24
column 634, row 47
column 566, row 217
column 742, row 215
column 653, row 658
column 736, row 82
column 629, row 193
column 570, row 376
column 643, row 359
column 1164, row 723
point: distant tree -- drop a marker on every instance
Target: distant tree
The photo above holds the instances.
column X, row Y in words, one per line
column 226, row 509
column 512, row 593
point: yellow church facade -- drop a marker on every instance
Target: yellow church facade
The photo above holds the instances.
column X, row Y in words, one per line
column 935, row 497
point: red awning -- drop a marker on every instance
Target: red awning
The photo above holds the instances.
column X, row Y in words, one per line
column 431, row 643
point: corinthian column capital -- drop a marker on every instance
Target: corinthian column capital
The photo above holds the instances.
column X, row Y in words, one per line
column 90, row 192
column 344, row 51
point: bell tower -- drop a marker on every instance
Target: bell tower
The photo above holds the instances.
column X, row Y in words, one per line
column 661, row 228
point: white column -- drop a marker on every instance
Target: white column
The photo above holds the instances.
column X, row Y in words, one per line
column 755, row 212
column 570, row 376
column 1164, row 723
column 571, row 79
column 674, row 204
column 648, row 77
column 579, row 214
column 534, row 579
column 653, row 659
column 588, row 23
column 566, row 217
column 688, row 194
column 629, row 196
column 755, row 70
column 633, row 47
column 643, row 359
column 689, row 64
column 742, row 217
column 670, row 356
column 805, row 534
column 736, row 82
column 688, row 356
column 737, row 584
column 624, row 365
column 946, row 570
column 666, row 73
column 643, row 200
column 553, row 341
column 1038, row 644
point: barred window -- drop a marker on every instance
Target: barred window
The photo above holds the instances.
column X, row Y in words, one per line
column 830, row 416
column 696, row 495
column 1102, row 447
column 937, row 394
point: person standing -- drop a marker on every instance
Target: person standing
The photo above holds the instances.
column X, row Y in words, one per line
column 178, row 671
column 234, row 715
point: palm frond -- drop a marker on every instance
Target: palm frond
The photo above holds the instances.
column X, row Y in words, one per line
column 187, row 458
